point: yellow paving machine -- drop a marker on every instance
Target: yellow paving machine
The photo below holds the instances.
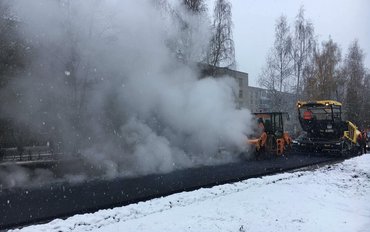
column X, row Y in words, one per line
column 324, row 129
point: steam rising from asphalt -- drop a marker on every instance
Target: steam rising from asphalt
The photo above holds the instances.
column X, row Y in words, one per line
column 105, row 80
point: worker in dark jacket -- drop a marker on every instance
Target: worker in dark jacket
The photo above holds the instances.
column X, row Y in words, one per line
column 362, row 142
column 364, row 138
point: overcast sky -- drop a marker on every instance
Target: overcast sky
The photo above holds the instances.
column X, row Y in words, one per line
column 254, row 21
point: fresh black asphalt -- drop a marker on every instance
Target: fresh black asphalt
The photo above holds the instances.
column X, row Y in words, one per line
column 21, row 206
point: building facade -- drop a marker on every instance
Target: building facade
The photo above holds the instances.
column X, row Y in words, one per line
column 253, row 98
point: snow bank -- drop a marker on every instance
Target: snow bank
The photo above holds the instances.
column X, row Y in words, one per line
column 332, row 198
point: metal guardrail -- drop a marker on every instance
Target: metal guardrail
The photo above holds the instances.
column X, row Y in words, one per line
column 34, row 153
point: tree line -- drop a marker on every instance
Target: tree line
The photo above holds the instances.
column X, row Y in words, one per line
column 75, row 72
column 308, row 69
column 219, row 51
column 15, row 50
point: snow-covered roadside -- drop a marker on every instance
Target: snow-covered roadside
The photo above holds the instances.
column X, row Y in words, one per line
column 332, row 198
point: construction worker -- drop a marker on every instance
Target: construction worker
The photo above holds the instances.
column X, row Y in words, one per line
column 364, row 140
column 307, row 115
column 259, row 142
column 261, row 126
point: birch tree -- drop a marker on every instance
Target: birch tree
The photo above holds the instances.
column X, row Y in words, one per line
column 302, row 48
column 221, row 51
column 192, row 22
column 279, row 64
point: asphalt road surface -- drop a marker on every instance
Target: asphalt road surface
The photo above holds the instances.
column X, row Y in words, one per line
column 21, row 206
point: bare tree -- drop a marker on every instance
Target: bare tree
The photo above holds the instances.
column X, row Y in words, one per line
column 366, row 101
column 268, row 77
column 278, row 69
column 195, row 6
column 341, row 84
column 221, row 51
column 194, row 38
column 282, row 60
column 12, row 48
column 309, row 89
column 355, row 72
column 4, row 43
column 326, row 64
column 188, row 46
column 302, row 47
column 13, row 57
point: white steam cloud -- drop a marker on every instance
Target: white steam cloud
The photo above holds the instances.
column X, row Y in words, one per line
column 105, row 78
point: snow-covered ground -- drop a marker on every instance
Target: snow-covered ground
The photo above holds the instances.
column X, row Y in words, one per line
column 331, row 198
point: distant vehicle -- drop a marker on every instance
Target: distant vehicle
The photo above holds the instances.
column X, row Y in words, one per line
column 326, row 132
